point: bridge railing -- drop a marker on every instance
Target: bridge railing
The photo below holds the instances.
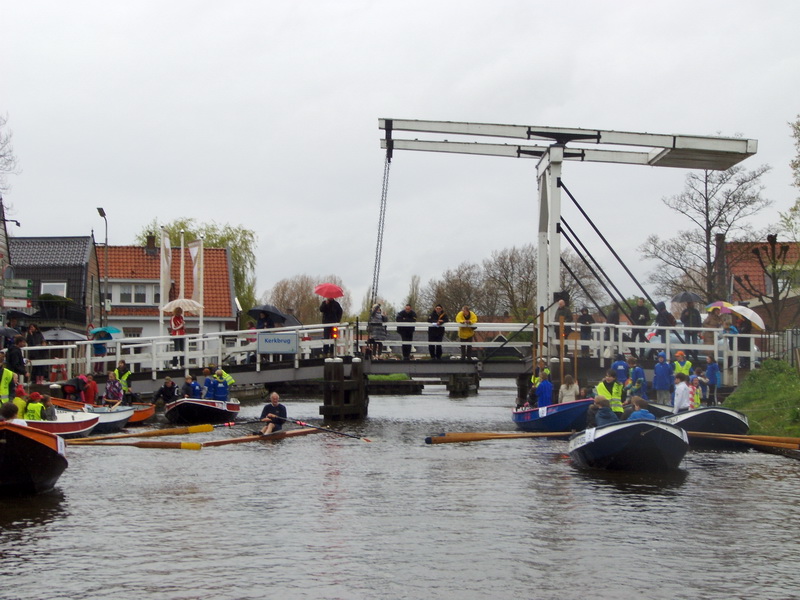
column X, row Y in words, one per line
column 240, row 347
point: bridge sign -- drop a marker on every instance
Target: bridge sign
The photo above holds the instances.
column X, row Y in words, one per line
column 15, row 303
column 277, row 343
column 18, row 283
column 17, row 293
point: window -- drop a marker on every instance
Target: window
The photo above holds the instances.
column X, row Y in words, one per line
column 125, row 293
column 156, row 294
column 140, row 294
column 132, row 331
column 57, row 288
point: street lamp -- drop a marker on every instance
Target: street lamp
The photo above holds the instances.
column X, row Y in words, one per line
column 103, row 310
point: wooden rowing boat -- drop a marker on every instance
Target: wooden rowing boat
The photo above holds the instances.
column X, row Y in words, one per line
column 567, row 416
column 142, row 411
column 111, row 418
column 68, row 424
column 191, row 411
column 645, row 446
column 712, row 419
column 278, row 435
column 31, row 460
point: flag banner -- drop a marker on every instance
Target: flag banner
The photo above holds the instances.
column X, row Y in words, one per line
column 196, row 254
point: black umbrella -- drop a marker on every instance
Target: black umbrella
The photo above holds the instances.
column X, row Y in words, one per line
column 8, row 332
column 687, row 297
column 279, row 318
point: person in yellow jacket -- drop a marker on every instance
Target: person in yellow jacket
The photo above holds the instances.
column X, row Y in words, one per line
column 123, row 374
column 681, row 365
column 610, row 388
column 8, row 381
column 466, row 319
column 35, row 407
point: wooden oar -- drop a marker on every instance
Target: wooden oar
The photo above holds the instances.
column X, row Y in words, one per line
column 304, row 424
column 763, row 438
column 278, row 435
column 235, row 423
column 146, row 444
column 745, row 440
column 150, row 433
column 479, row 436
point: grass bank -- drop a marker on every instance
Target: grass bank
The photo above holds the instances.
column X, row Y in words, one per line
column 770, row 397
column 390, row 377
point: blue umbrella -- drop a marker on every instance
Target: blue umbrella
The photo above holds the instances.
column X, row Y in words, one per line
column 107, row 329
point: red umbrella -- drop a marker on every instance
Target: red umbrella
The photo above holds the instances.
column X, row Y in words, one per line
column 328, row 290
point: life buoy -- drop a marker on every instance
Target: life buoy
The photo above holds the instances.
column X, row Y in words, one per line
column 58, row 373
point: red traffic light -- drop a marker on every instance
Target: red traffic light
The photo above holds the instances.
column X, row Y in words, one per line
column 335, row 333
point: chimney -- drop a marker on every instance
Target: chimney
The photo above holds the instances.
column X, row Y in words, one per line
column 150, row 248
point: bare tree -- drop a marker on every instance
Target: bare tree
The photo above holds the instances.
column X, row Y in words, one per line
column 457, row 287
column 511, row 274
column 8, row 160
column 713, row 203
column 296, row 295
column 593, row 294
column 413, row 292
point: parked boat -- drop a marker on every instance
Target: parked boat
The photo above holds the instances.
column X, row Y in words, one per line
column 191, row 411
column 112, row 418
column 69, row 424
column 712, row 419
column 31, row 460
column 649, row 446
column 567, row 416
column 142, row 411
column 659, row 410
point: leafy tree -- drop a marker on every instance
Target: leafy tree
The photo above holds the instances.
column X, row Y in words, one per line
column 241, row 243
column 715, row 205
column 790, row 220
column 8, row 160
column 296, row 295
column 795, row 163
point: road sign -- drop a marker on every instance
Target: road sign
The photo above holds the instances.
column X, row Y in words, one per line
column 16, row 303
column 277, row 343
column 17, row 293
column 18, row 283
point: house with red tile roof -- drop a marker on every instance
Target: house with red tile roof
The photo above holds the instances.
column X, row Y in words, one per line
column 134, row 288
column 752, row 284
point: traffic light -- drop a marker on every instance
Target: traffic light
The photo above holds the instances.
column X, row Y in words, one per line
column 335, row 333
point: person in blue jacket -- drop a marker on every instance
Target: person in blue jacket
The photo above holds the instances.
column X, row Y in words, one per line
column 663, row 378
column 620, row 367
column 712, row 374
column 604, row 414
column 637, row 383
column 544, row 391
column 641, row 412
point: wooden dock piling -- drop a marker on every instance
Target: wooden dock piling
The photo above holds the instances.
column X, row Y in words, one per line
column 344, row 398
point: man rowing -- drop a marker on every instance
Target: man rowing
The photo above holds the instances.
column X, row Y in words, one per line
column 274, row 414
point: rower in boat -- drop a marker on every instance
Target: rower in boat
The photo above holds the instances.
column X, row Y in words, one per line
column 274, row 415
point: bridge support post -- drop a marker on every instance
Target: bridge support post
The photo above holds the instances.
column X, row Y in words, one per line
column 461, row 385
column 343, row 398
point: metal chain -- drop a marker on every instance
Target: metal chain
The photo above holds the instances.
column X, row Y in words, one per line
column 376, row 272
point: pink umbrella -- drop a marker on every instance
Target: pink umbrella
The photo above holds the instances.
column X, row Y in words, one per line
column 328, row 290
column 724, row 307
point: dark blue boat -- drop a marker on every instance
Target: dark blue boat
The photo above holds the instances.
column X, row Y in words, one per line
column 712, row 419
column 567, row 416
column 646, row 446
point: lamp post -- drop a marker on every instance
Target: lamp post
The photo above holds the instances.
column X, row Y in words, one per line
column 103, row 311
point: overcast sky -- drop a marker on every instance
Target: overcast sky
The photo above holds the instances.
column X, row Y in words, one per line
column 265, row 115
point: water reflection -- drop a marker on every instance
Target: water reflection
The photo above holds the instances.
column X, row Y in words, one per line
column 633, row 483
column 22, row 513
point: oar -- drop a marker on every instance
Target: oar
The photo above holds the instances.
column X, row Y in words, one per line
column 150, row 433
column 763, row 438
column 276, row 435
column 746, row 440
column 480, row 436
column 146, row 444
column 235, row 423
column 304, row 424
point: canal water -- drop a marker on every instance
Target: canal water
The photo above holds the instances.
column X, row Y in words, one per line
column 324, row 516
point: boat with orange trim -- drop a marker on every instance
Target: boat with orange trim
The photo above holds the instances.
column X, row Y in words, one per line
column 31, row 460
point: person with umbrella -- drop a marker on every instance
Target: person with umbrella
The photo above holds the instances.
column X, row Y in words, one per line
column 690, row 317
column 177, row 329
column 35, row 338
column 331, row 313
column 14, row 359
column 407, row 315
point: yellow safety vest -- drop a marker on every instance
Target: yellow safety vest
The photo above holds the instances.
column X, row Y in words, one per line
column 5, row 385
column 123, row 380
column 228, row 378
column 616, row 395
column 34, row 411
column 535, row 378
column 686, row 368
